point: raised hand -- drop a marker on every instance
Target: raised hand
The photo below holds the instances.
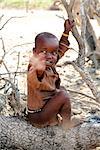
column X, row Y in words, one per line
column 68, row 25
column 37, row 62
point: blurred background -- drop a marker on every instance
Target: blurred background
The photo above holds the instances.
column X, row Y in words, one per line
column 26, row 3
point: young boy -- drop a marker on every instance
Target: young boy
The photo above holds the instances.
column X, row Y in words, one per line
column 48, row 104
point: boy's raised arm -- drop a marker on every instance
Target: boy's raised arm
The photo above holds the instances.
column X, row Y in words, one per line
column 64, row 43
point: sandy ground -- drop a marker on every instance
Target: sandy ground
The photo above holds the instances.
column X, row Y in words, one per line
column 18, row 35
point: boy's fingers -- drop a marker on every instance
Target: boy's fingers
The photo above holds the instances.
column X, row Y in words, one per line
column 69, row 21
column 42, row 56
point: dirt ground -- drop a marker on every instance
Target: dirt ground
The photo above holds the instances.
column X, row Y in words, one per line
column 18, row 35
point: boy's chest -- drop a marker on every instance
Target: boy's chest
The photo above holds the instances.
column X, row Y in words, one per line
column 49, row 79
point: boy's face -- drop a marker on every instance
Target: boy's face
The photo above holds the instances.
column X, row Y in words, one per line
column 50, row 49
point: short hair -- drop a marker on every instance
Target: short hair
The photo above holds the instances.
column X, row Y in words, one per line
column 44, row 35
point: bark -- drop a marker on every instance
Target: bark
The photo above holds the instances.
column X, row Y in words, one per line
column 93, row 8
column 17, row 134
column 89, row 36
column 2, row 102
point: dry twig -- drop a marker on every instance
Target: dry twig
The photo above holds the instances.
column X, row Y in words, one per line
column 8, row 21
column 86, row 77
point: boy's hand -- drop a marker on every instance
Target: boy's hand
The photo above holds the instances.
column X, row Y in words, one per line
column 68, row 25
column 37, row 62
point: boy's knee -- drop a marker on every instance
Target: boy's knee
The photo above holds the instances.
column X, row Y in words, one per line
column 64, row 95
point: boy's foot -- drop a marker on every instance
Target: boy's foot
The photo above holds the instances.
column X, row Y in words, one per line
column 75, row 121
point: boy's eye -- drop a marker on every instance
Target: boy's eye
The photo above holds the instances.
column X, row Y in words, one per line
column 54, row 53
column 44, row 52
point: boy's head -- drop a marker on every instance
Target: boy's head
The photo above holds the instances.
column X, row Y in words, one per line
column 48, row 44
column 46, row 41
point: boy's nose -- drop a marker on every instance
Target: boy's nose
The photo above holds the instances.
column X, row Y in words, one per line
column 49, row 55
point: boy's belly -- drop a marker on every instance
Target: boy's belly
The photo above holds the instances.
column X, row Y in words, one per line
column 38, row 99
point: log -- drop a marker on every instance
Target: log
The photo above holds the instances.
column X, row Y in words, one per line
column 17, row 134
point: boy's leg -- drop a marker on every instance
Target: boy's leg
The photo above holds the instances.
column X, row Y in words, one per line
column 65, row 112
column 58, row 103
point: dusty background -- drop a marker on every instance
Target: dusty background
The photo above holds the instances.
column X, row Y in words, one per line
column 18, row 35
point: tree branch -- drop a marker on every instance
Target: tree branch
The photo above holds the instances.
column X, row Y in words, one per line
column 81, row 56
column 87, row 78
column 74, row 91
column 8, row 21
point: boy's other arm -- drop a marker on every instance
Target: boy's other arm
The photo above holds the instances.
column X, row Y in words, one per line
column 32, row 80
column 36, row 68
column 64, row 42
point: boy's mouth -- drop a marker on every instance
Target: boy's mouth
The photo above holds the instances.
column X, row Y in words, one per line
column 49, row 62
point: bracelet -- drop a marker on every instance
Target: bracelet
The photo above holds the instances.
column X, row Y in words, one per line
column 64, row 45
column 33, row 111
column 66, row 35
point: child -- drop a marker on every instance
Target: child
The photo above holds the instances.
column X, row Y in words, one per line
column 48, row 104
